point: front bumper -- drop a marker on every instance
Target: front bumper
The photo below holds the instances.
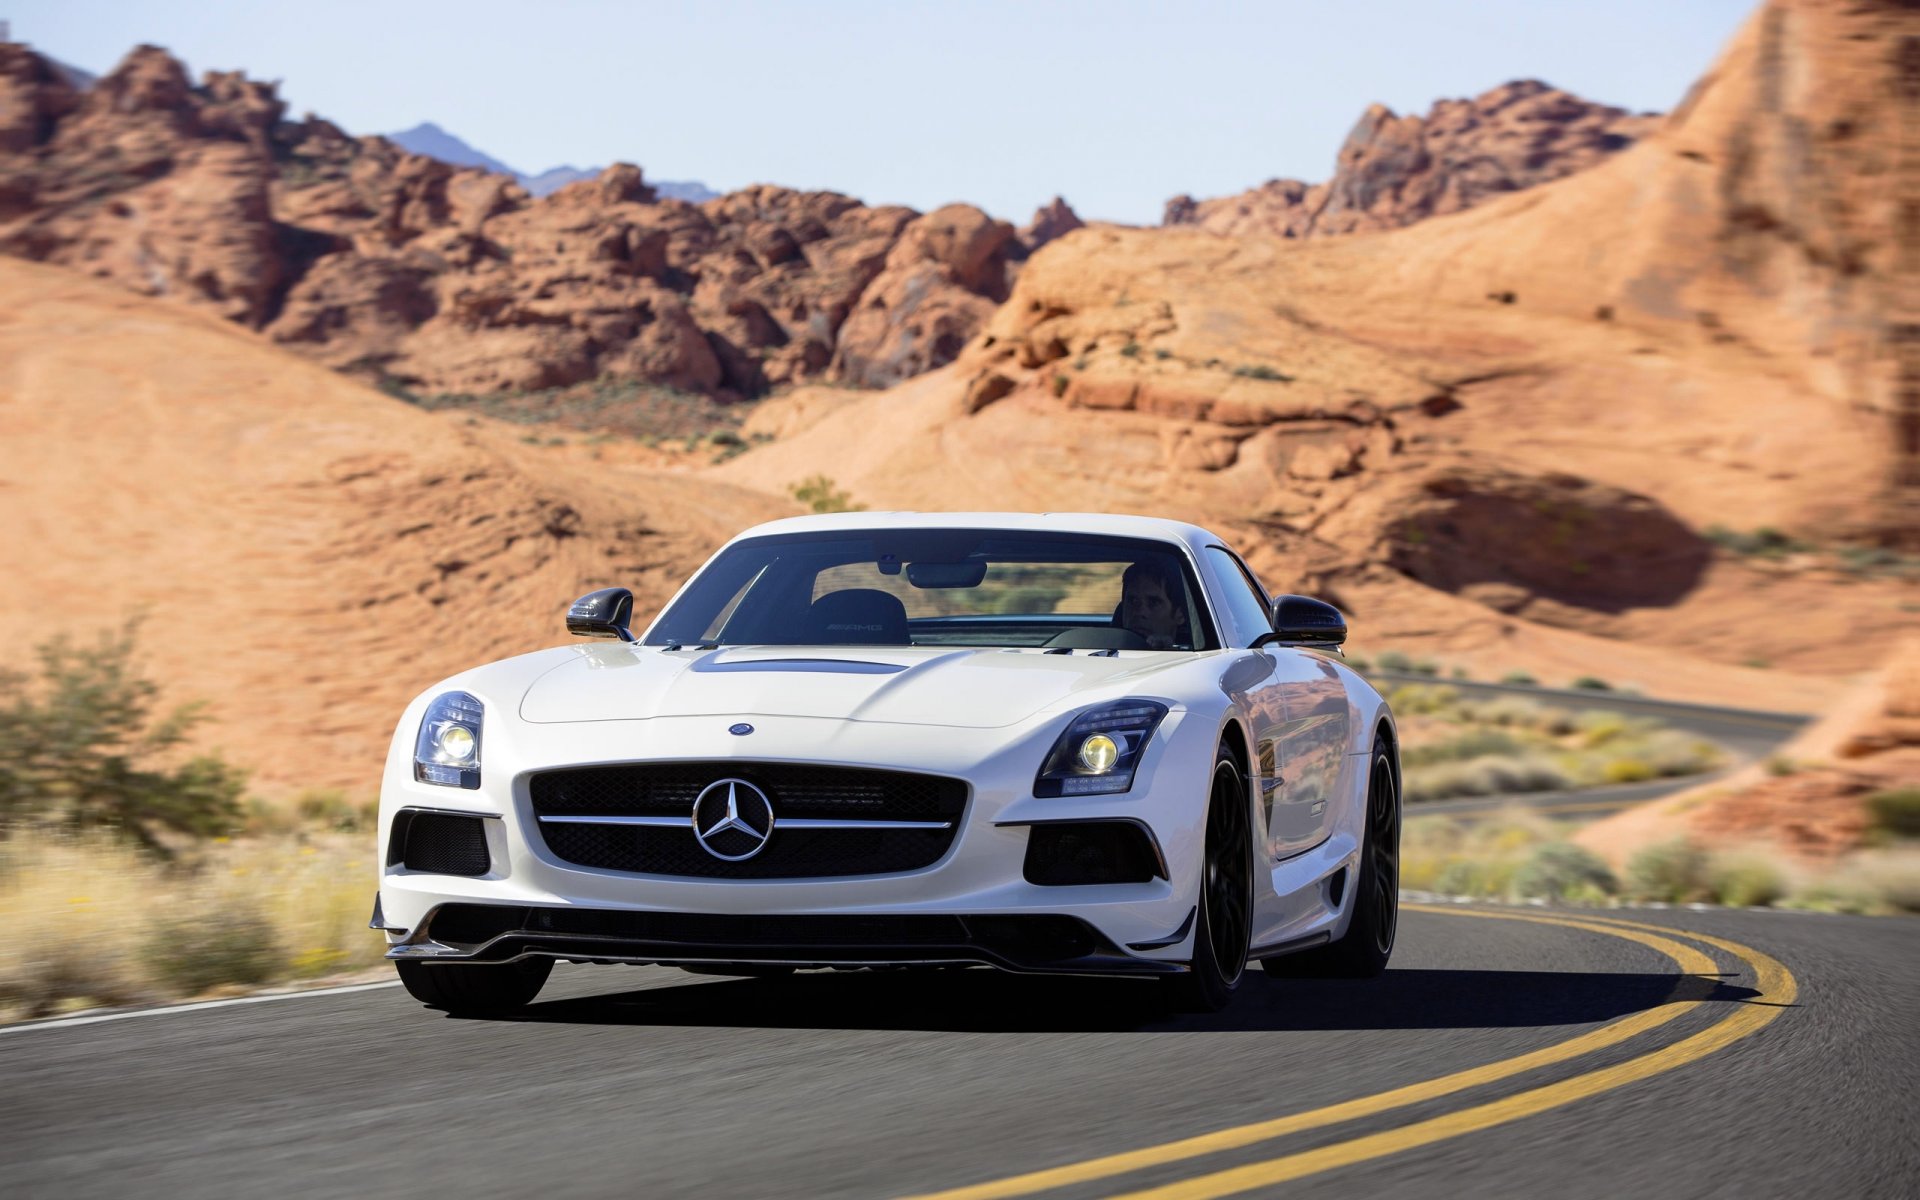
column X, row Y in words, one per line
column 972, row 906
column 1049, row 943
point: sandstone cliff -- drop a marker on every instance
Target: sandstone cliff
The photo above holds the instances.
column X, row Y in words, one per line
column 436, row 278
column 1395, row 170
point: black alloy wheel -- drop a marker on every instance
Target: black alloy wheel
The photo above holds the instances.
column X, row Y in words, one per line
column 479, row 989
column 1363, row 952
column 1221, row 935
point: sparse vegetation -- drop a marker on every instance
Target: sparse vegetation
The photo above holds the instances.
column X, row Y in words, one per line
column 1510, row 745
column 1520, row 856
column 90, row 920
column 85, row 750
column 1262, row 371
column 818, row 493
column 1519, row 679
column 621, row 407
column 1764, row 542
column 1673, row 872
column 1592, row 683
column 1896, row 812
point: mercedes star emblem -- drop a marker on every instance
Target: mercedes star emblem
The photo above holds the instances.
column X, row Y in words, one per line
column 732, row 814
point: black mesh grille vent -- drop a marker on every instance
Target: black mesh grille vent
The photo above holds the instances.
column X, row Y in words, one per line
column 441, row 843
column 796, row 791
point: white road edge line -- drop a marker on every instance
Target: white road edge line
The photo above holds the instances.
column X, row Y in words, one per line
column 166, row 1010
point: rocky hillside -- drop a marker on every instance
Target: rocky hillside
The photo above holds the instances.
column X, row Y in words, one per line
column 1395, row 170
column 1568, row 414
column 308, row 553
column 397, row 267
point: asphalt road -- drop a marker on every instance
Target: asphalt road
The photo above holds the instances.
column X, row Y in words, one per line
column 1531, row 1058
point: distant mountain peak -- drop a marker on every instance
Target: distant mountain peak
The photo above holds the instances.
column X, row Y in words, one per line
column 431, row 140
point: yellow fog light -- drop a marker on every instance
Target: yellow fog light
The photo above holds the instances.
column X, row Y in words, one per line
column 1098, row 753
column 456, row 742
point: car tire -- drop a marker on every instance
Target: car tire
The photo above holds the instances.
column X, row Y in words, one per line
column 479, row 988
column 1362, row 952
column 1222, row 931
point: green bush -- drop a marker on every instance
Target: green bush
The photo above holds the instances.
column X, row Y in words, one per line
column 1475, row 743
column 1519, row 679
column 817, row 492
column 1628, row 770
column 1674, row 872
column 1592, row 683
column 1744, row 881
column 80, row 744
column 1563, row 871
column 1896, row 811
column 1394, row 660
column 196, row 951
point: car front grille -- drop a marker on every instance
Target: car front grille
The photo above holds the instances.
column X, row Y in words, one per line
column 668, row 790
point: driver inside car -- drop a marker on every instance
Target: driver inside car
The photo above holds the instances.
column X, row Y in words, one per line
column 1153, row 605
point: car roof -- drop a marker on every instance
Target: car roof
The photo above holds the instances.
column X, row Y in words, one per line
column 1106, row 524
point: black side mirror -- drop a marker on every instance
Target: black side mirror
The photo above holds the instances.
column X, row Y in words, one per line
column 603, row 614
column 1304, row 621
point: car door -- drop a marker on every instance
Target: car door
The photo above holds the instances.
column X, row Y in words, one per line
column 1298, row 712
column 1310, row 753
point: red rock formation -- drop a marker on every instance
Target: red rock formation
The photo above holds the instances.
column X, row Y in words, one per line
column 1394, row 170
column 1055, row 219
column 405, row 269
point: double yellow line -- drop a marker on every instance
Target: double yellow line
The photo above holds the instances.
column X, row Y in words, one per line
column 1773, row 981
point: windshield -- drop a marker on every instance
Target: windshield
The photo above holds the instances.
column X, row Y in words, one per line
column 943, row 587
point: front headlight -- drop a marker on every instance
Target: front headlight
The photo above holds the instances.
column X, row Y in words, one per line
column 1100, row 750
column 447, row 751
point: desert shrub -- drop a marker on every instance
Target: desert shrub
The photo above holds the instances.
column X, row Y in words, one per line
column 1563, row 871
column 1427, row 667
column 1472, row 744
column 1506, row 712
column 1465, row 877
column 818, row 493
column 329, row 808
column 1675, row 753
column 1745, row 881
column 82, row 742
column 1893, row 875
column 1627, row 770
column 1896, row 811
column 1779, row 765
column 1836, row 896
column 1359, row 664
column 1262, row 371
column 1592, row 683
column 1486, row 776
column 196, row 950
column 1394, row 660
column 1674, row 872
column 1423, row 698
column 1597, row 728
column 1519, row 679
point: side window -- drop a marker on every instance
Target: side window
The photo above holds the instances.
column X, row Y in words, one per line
column 1244, row 598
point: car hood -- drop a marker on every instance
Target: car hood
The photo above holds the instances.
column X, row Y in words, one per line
column 975, row 689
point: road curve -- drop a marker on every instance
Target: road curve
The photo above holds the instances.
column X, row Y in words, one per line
column 1507, row 1052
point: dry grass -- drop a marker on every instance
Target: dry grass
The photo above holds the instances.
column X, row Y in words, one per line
column 87, row 921
column 1520, row 856
column 1510, row 745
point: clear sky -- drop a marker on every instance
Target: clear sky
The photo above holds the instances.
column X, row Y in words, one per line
column 1115, row 104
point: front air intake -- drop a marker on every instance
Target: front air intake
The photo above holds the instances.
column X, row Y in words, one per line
column 439, row 843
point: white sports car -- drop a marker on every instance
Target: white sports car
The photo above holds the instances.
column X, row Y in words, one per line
column 1045, row 743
